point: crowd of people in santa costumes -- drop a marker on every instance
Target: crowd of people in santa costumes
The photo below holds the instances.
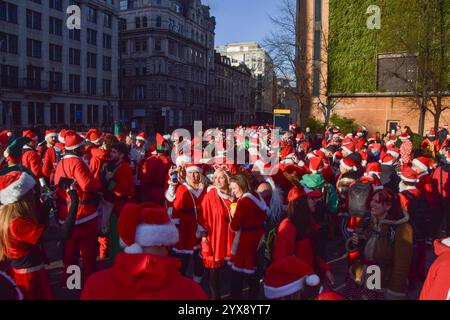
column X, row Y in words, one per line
column 152, row 211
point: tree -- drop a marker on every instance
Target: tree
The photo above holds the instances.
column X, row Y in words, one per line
column 421, row 29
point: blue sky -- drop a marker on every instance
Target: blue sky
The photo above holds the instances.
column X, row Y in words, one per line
column 242, row 20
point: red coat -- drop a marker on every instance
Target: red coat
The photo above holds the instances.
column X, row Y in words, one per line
column 75, row 168
column 286, row 245
column 142, row 277
column 49, row 163
column 442, row 184
column 97, row 157
column 152, row 174
column 215, row 218
column 186, row 208
column 437, row 283
column 248, row 223
column 405, row 202
column 123, row 187
column 428, row 188
column 32, row 161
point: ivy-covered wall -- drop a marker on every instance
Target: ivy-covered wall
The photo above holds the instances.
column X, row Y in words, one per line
column 352, row 48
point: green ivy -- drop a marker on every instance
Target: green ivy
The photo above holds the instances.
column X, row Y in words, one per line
column 352, row 49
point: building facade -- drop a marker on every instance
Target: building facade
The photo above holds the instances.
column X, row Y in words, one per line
column 233, row 93
column 260, row 63
column 55, row 77
column 351, row 70
column 167, row 62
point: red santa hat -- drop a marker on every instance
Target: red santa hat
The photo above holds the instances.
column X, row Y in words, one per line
column 359, row 133
column 62, row 135
column 30, row 134
column 152, row 149
column 14, row 185
column 394, row 152
column 73, row 141
column 285, row 277
column 423, row 162
column 448, row 157
column 300, row 136
column 373, row 137
column 145, row 225
column 321, row 154
column 387, row 159
column 409, row 175
column 50, row 133
column 431, row 134
column 94, row 135
column 295, row 193
column 338, row 156
column 349, row 135
column 192, row 167
column 316, row 164
column 376, row 146
column 182, row 159
column 142, row 136
column 350, row 148
column 373, row 168
column 349, row 164
column 392, row 140
column 347, row 141
column 287, row 151
column 4, row 139
column 404, row 136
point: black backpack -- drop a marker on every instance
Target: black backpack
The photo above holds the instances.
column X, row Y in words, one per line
column 419, row 215
column 358, row 198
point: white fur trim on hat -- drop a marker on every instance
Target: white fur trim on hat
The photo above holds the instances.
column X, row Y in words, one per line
column 293, row 287
column 149, row 235
column 182, row 158
column 393, row 153
column 75, row 146
column 407, row 179
column 141, row 138
column 446, row 242
column 419, row 164
column 348, row 167
column 194, row 169
column 54, row 134
column 17, row 189
column 98, row 139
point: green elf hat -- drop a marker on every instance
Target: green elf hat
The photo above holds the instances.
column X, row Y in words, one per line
column 14, row 149
column 119, row 130
column 160, row 143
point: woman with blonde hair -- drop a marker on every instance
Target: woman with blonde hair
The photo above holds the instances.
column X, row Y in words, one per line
column 21, row 233
column 215, row 218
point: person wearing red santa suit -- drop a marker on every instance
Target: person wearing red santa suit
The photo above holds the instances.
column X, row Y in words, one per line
column 248, row 217
column 215, row 218
column 144, row 271
column 437, row 283
column 96, row 153
column 187, row 201
column 22, row 233
column 410, row 197
column 441, row 178
column 31, row 158
column 316, row 165
column 50, row 155
column 296, row 234
column 84, row 235
column 117, row 178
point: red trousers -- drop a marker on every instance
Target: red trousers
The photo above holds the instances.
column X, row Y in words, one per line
column 83, row 240
column 34, row 285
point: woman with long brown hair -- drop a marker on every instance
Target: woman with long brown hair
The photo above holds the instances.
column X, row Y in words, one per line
column 21, row 233
column 247, row 222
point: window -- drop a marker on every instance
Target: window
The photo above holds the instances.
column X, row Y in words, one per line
column 158, row 21
column 144, row 22
column 33, row 20
column 316, row 81
column 123, row 5
column 74, row 34
column 317, row 44
column 9, row 76
column 137, row 45
column 74, row 83
column 92, row 37
column 8, row 12
column 173, row 93
column 139, row 92
column 8, row 43
column 55, row 80
column 178, row 8
column 74, row 56
column 158, row 44
column 106, row 87
column 106, row 63
column 37, row 1
column 123, row 45
column 92, row 114
column 144, row 45
column 34, row 48
column 91, row 85
column 57, row 113
column 91, row 60
column 92, row 14
column 397, row 72
column 35, row 113
column 106, row 41
column 172, row 47
column 137, row 22
column 76, row 114
column 55, row 4
column 122, row 24
column 55, row 52
column 107, row 20
column 55, row 26
column 318, row 10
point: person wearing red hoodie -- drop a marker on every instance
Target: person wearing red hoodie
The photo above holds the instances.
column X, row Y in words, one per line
column 437, row 283
column 144, row 271
column 84, row 235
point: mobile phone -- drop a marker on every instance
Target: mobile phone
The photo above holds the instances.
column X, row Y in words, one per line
column 174, row 177
column 65, row 182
